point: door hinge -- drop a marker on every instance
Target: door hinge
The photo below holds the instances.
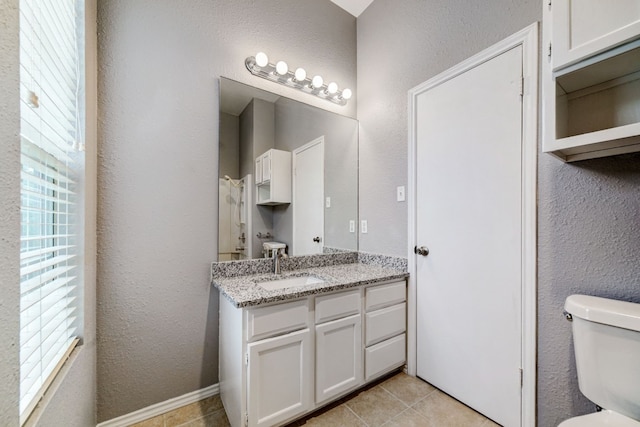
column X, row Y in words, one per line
column 246, row 358
column 549, row 53
column 246, row 419
column 521, row 377
column 522, row 86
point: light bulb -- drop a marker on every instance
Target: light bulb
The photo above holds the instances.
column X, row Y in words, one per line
column 346, row 94
column 300, row 74
column 262, row 60
column 317, row 82
column 332, row 88
column 282, row 68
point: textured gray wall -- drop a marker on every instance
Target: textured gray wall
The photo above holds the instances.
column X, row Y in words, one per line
column 159, row 61
column 245, row 132
column 70, row 401
column 589, row 212
column 589, row 243
column 229, row 148
column 400, row 45
column 263, row 127
column 10, row 213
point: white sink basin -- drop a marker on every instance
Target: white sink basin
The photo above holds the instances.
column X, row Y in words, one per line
column 290, row 282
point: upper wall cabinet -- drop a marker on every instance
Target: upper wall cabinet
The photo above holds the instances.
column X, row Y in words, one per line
column 591, row 78
column 584, row 28
column 273, row 178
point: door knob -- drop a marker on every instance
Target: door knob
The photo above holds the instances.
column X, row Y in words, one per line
column 422, row 250
column 317, row 239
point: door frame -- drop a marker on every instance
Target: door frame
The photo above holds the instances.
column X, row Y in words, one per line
column 296, row 152
column 528, row 39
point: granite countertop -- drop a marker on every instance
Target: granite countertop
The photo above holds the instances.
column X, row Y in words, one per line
column 244, row 291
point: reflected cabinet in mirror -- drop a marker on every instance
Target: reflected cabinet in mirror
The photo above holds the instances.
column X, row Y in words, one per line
column 288, row 176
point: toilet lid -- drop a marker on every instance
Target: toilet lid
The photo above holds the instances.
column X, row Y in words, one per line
column 599, row 419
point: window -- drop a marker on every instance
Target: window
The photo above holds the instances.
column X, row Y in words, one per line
column 52, row 173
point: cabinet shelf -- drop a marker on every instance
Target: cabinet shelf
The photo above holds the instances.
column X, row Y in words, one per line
column 591, row 108
column 608, row 142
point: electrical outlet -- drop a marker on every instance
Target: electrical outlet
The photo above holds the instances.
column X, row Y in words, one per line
column 328, row 202
column 400, row 193
column 363, row 226
column 352, row 226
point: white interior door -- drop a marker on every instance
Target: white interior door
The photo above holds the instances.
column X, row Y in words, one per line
column 469, row 215
column 308, row 198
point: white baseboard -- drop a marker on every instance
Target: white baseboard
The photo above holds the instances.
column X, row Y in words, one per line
column 162, row 407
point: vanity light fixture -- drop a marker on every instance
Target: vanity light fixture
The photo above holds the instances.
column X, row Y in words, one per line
column 280, row 72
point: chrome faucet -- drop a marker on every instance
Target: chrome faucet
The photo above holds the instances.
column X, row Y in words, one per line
column 276, row 260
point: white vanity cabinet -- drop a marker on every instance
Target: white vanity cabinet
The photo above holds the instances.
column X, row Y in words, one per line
column 273, row 177
column 591, row 78
column 283, row 360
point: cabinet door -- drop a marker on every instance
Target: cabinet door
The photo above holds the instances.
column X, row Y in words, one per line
column 280, row 378
column 258, row 170
column 338, row 357
column 587, row 27
column 266, row 166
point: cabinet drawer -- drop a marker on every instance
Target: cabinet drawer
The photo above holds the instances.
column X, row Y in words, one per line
column 385, row 356
column 335, row 306
column 385, row 295
column 385, row 323
column 277, row 319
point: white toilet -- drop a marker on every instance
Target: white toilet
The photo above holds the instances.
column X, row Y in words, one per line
column 606, row 337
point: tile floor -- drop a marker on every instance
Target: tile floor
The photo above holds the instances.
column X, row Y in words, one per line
column 399, row 400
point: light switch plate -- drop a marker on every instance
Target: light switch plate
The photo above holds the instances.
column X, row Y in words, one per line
column 352, row 226
column 363, row 226
column 400, row 193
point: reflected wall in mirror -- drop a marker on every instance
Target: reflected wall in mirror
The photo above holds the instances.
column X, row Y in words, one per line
column 288, row 174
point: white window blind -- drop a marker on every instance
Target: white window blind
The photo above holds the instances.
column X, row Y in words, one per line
column 51, row 87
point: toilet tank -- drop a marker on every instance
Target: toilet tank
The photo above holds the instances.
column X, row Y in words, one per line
column 606, row 337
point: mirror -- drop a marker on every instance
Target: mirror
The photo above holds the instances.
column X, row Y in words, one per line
column 288, row 176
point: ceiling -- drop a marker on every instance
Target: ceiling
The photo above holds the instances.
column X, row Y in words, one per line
column 354, row 7
column 235, row 96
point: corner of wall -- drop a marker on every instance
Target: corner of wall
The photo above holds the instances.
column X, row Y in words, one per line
column 10, row 203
